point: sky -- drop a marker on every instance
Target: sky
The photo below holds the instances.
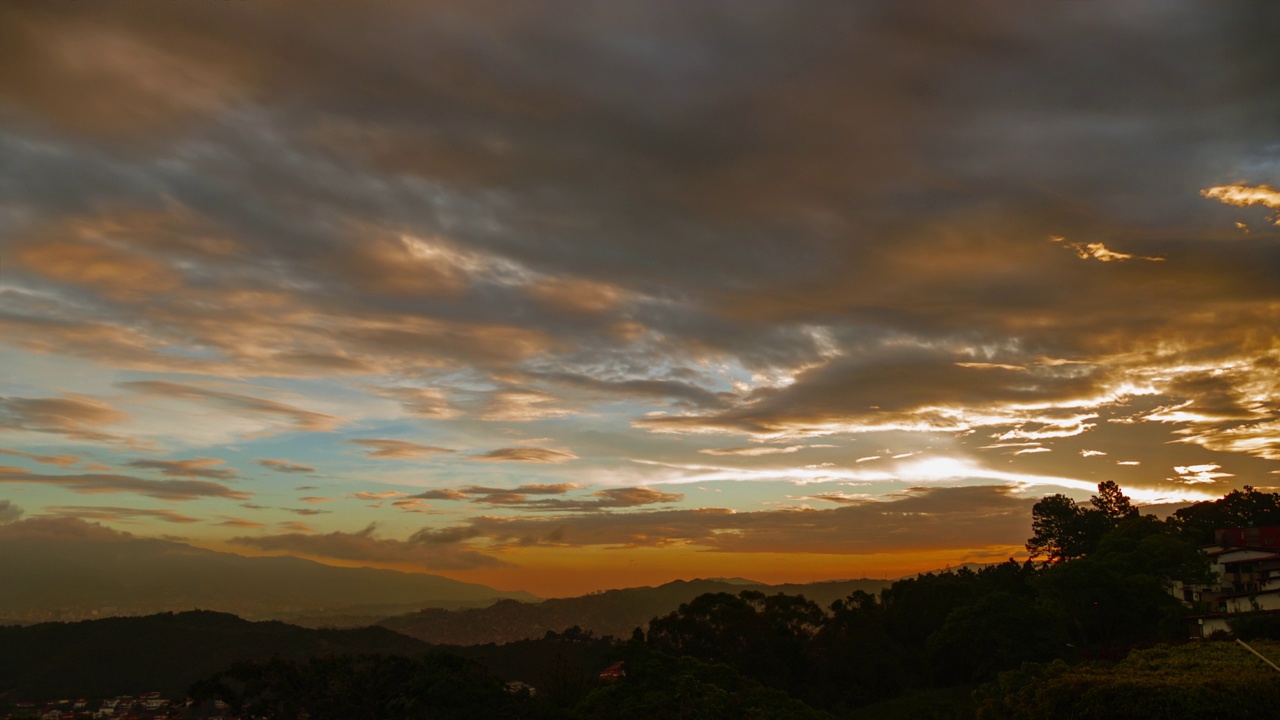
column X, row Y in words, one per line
column 563, row 296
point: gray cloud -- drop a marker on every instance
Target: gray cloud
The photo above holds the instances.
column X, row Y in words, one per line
column 922, row 518
column 59, row 460
column 363, row 546
column 75, row 416
column 9, row 512
column 100, row 483
column 192, row 468
column 116, row 514
column 284, row 466
column 293, row 418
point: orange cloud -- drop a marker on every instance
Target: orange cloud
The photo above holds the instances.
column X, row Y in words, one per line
column 113, row 272
column 531, row 455
column 1242, row 195
column 577, row 296
column 195, row 467
column 59, row 460
column 294, row 418
column 75, row 416
column 399, row 449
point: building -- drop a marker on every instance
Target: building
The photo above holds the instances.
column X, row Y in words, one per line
column 1246, row 568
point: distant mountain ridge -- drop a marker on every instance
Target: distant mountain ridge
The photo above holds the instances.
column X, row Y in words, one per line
column 165, row 652
column 54, row 569
column 612, row 612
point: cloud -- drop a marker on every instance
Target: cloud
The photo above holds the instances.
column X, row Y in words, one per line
column 576, row 296
column 59, row 460
column 521, row 406
column 778, row 223
column 284, row 466
column 422, row 402
column 289, row 417
column 77, row 417
column 913, row 389
column 442, row 494
column 315, row 499
column 100, row 483
column 113, row 272
column 375, row 495
column 296, row 526
column 1100, row 252
column 1242, row 195
column 1198, row 474
column 49, row 527
column 922, row 518
column 193, row 468
column 363, row 546
column 117, row 514
column 9, row 512
column 399, row 449
column 536, row 497
column 754, row 451
column 523, row 454
column 236, row 522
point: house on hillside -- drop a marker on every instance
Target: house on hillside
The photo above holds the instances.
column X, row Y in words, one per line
column 1246, row 567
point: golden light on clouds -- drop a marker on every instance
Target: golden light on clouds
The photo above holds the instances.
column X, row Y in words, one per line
column 1242, row 195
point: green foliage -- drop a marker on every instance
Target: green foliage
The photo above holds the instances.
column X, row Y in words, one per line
column 1237, row 509
column 1255, row 626
column 1062, row 530
column 661, row 687
column 997, row 632
column 367, row 687
column 1197, row 680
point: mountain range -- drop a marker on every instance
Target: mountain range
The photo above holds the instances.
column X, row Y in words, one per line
column 67, row 569
column 612, row 612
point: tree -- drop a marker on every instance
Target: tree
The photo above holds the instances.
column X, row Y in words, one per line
column 1237, row 509
column 1063, row 530
column 1058, row 527
column 1113, row 503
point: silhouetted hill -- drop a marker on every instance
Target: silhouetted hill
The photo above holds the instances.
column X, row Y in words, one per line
column 165, row 652
column 613, row 612
column 55, row 569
